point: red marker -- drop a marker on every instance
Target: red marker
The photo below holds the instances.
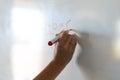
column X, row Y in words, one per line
column 54, row 40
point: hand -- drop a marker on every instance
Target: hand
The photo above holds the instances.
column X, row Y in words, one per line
column 64, row 51
column 65, row 48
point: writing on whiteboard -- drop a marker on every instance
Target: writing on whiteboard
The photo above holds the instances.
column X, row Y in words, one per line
column 56, row 26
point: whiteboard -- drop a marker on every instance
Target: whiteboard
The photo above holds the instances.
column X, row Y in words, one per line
column 100, row 21
column 96, row 58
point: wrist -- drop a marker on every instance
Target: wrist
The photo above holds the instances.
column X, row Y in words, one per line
column 59, row 63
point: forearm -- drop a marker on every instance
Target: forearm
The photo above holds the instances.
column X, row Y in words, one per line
column 63, row 54
column 50, row 72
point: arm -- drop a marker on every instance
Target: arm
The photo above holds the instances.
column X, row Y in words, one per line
column 63, row 54
column 50, row 72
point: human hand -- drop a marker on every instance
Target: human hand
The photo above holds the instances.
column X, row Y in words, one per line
column 63, row 54
column 65, row 48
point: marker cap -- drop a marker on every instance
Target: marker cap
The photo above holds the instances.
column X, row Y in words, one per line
column 50, row 43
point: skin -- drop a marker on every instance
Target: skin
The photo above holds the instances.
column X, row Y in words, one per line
column 64, row 51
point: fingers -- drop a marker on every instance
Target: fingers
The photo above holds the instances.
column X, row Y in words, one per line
column 66, row 46
column 72, row 40
column 64, row 38
column 61, row 32
column 72, row 43
column 68, row 40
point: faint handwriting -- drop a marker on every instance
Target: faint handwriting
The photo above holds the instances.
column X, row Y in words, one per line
column 58, row 26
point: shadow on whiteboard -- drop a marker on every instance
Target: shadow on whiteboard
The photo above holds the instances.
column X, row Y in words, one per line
column 97, row 60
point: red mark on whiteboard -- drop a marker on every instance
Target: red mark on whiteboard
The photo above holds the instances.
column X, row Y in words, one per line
column 61, row 24
column 56, row 26
column 68, row 23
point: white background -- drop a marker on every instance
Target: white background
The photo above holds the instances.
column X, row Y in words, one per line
column 99, row 20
